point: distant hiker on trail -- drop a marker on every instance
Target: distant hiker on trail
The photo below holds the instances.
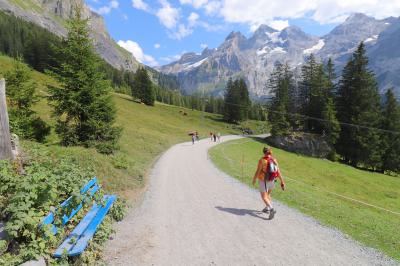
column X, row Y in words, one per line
column 219, row 137
column 215, row 137
column 193, row 138
column 197, row 136
column 211, row 136
column 267, row 172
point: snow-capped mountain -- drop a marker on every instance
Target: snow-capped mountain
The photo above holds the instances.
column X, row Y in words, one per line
column 254, row 58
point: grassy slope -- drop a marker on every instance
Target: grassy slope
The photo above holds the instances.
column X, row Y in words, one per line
column 308, row 181
column 148, row 131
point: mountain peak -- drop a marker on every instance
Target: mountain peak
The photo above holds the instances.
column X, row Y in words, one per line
column 235, row 35
column 262, row 29
column 293, row 29
column 188, row 57
column 293, row 32
column 207, row 51
column 358, row 17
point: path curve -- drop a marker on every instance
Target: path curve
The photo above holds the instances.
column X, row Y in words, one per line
column 193, row 214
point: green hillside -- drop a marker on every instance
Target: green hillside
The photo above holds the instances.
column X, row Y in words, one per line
column 147, row 132
column 335, row 194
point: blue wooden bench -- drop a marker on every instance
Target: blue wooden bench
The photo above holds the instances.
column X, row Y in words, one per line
column 76, row 242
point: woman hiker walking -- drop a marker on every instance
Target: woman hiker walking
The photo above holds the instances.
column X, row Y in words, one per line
column 267, row 172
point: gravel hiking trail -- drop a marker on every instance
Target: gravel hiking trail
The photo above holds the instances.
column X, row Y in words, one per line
column 193, row 214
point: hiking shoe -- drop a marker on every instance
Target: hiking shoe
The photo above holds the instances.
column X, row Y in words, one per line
column 265, row 210
column 272, row 213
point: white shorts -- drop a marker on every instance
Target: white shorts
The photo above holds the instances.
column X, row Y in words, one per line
column 264, row 186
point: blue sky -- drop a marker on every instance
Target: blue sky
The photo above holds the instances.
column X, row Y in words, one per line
column 159, row 31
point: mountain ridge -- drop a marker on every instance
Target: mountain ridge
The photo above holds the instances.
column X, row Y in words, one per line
column 52, row 15
column 255, row 57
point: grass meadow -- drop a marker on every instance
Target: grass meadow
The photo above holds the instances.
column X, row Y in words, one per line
column 335, row 194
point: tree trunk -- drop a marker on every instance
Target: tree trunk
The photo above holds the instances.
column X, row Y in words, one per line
column 5, row 139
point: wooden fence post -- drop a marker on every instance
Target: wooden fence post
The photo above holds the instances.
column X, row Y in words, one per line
column 5, row 138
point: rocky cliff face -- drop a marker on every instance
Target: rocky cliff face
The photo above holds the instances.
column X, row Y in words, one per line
column 255, row 58
column 52, row 15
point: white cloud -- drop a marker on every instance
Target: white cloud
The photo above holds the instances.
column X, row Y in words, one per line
column 104, row 10
column 135, row 49
column 181, row 32
column 194, row 3
column 114, row 4
column 276, row 13
column 279, row 24
column 212, row 7
column 168, row 15
column 203, row 46
column 192, row 19
column 157, row 45
column 139, row 4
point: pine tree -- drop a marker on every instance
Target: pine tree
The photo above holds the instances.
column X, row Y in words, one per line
column 391, row 138
column 358, row 103
column 331, row 77
column 244, row 99
column 21, row 96
column 331, row 126
column 143, row 88
column 236, row 102
column 314, row 91
column 280, row 85
column 231, row 110
column 82, row 103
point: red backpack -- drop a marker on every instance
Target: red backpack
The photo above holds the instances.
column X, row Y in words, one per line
column 272, row 170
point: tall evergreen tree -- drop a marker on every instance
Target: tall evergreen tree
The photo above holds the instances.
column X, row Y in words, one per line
column 314, row 91
column 231, row 110
column 391, row 138
column 331, row 77
column 21, row 94
column 358, row 103
column 143, row 88
column 236, row 102
column 330, row 126
column 82, row 102
column 244, row 99
column 280, row 85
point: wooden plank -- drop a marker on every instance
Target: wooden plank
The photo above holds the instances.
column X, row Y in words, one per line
column 90, row 188
column 79, row 238
column 69, row 243
column 84, row 239
column 5, row 138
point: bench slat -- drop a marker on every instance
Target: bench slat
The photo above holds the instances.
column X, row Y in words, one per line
column 88, row 185
column 91, row 186
column 78, row 230
column 91, row 230
column 85, row 230
column 75, row 210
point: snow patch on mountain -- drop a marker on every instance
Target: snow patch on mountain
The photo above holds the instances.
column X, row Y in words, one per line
column 371, row 39
column 315, row 48
column 194, row 65
column 274, row 37
column 263, row 51
column 278, row 50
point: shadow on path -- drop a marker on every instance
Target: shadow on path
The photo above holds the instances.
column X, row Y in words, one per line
column 243, row 212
